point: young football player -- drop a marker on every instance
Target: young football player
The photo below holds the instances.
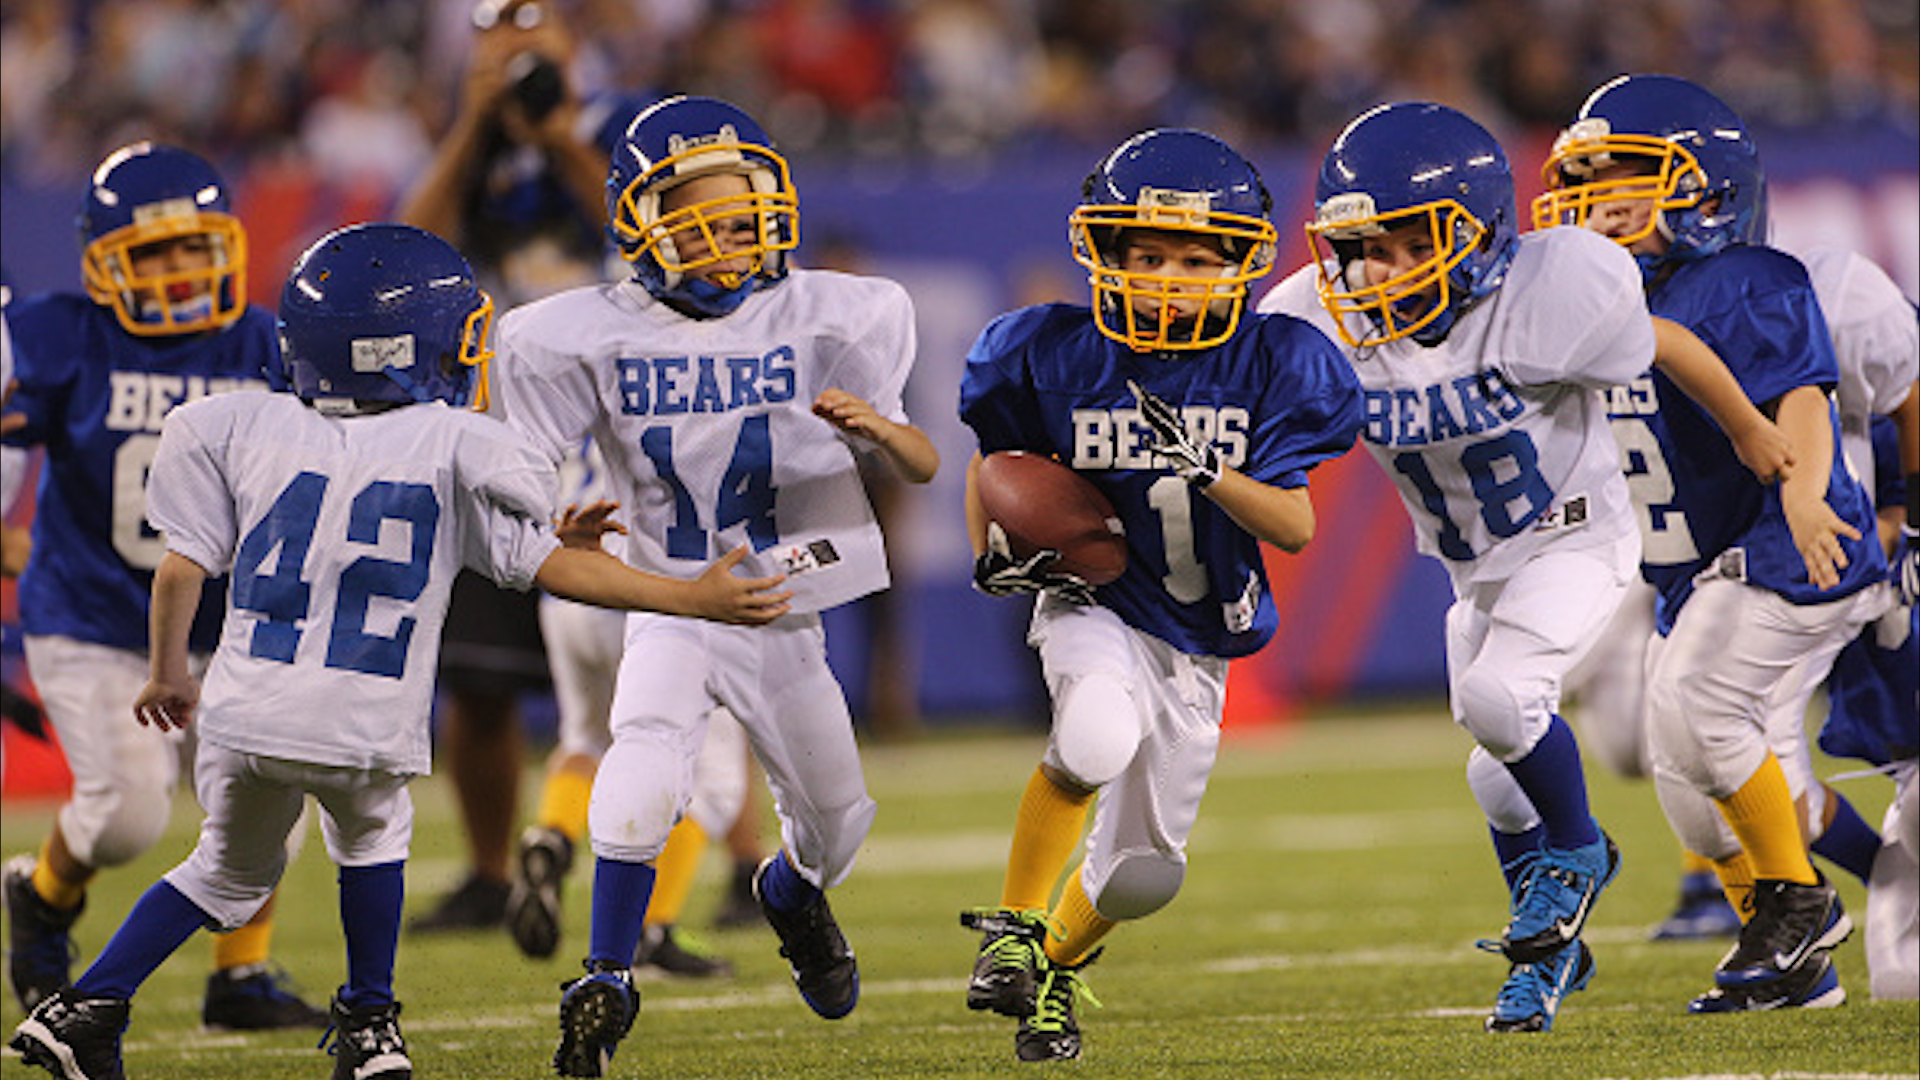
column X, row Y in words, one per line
column 165, row 319
column 1200, row 423
column 1760, row 585
column 343, row 511
column 1483, row 353
column 730, row 395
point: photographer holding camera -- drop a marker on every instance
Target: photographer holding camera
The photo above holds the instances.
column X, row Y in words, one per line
column 517, row 186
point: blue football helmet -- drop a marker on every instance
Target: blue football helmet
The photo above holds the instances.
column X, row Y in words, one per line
column 681, row 139
column 146, row 194
column 1412, row 163
column 386, row 313
column 1699, row 168
column 1182, row 182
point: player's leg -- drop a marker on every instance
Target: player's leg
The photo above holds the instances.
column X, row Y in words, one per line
column 1136, row 848
column 1509, row 647
column 368, row 827
column 1728, row 656
column 1893, row 894
column 777, row 683
column 123, row 781
column 660, row 704
column 583, row 654
column 719, row 790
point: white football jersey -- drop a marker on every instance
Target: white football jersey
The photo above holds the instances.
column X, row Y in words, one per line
column 706, row 425
column 1876, row 339
column 1497, row 437
column 343, row 537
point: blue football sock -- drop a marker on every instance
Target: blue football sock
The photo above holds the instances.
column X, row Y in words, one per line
column 621, row 892
column 158, row 925
column 1849, row 842
column 1552, row 777
column 784, row 888
column 370, row 901
column 1511, row 846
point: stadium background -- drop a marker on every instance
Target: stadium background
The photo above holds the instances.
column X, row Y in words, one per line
column 942, row 142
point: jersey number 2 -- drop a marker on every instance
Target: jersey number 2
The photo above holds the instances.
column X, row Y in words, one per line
column 283, row 597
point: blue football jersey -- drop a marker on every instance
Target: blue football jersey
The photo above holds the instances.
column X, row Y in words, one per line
column 1276, row 399
column 94, row 397
column 1756, row 308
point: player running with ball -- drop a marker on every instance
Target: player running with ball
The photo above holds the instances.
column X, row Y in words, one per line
column 1199, row 422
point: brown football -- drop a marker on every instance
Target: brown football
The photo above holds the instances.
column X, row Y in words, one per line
column 1043, row 505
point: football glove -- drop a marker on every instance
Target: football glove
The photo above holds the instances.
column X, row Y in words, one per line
column 997, row 573
column 1196, row 463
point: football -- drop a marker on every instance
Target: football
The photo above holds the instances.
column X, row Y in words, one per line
column 1043, row 505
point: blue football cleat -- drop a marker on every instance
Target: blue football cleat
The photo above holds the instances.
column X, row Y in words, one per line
column 1815, row 986
column 1553, row 896
column 1790, row 922
column 596, row 1012
column 1532, row 994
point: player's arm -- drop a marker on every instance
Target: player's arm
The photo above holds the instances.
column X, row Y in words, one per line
column 1280, row 516
column 911, row 452
column 1803, row 413
column 1700, row 374
column 594, row 577
column 167, row 701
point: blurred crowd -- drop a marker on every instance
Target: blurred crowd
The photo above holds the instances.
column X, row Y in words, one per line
column 358, row 89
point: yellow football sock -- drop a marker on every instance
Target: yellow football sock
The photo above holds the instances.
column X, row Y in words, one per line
column 58, row 892
column 1736, row 880
column 1764, row 817
column 674, row 871
column 1045, row 833
column 563, row 803
column 1079, row 925
column 247, row 945
column 1691, row 863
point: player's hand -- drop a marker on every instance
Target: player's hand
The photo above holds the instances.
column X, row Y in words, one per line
column 1816, row 533
column 849, row 413
column 723, row 597
column 167, row 704
column 582, row 527
column 997, row 573
column 1765, row 450
column 1195, row 462
column 1905, row 571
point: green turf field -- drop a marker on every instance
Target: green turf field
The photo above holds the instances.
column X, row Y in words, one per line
column 1340, row 874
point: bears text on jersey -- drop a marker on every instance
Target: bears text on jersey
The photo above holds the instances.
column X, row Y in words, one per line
column 140, row 400
column 669, row 385
column 1417, row 416
column 1121, row 439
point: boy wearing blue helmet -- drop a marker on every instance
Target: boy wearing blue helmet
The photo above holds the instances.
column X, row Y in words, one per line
column 732, row 397
column 1200, row 423
column 343, row 512
column 1760, row 585
column 1482, row 353
column 164, row 320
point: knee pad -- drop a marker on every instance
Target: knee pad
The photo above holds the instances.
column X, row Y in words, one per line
column 626, row 823
column 1139, row 884
column 1501, row 799
column 1695, row 818
column 1096, row 729
column 1494, row 711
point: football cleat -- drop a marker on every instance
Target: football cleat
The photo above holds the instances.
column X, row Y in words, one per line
column 665, row 949
column 1532, row 994
column 1052, row 1033
column 1006, row 974
column 39, row 943
column 74, row 1037
column 1815, row 986
column 810, row 939
column 478, row 904
column 1790, row 922
column 254, row 997
column 533, row 903
column 366, row 1043
column 1703, row 912
column 596, row 1012
column 1553, row 896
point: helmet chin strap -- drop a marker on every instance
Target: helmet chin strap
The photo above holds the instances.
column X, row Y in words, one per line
column 703, row 299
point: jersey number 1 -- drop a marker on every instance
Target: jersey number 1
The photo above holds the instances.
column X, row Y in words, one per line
column 282, row 597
